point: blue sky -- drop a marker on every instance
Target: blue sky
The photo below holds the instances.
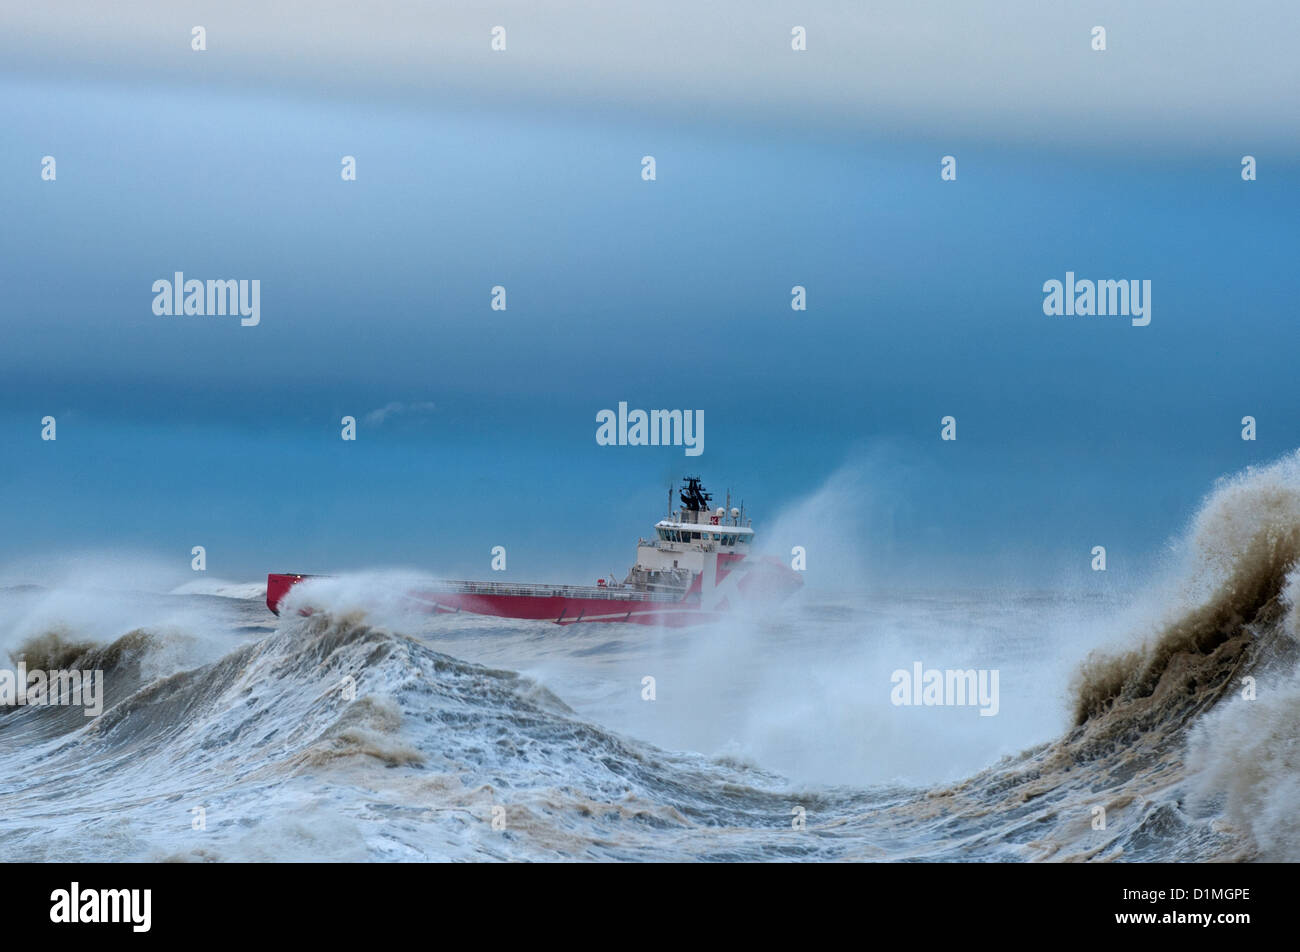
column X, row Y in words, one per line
column 924, row 300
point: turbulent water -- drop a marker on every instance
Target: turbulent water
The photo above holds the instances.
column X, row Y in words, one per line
column 362, row 733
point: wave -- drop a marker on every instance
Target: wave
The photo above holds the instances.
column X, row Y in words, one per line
column 1246, row 541
column 1210, row 697
column 122, row 663
column 248, row 591
column 331, row 697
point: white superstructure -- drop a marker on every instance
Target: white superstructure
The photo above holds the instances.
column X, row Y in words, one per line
column 681, row 542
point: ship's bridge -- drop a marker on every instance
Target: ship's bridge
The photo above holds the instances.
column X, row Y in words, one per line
column 677, row 552
column 722, row 535
column 689, row 535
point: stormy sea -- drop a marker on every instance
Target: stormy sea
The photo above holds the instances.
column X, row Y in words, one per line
column 1157, row 724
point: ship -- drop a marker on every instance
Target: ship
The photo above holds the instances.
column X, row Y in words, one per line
column 697, row 566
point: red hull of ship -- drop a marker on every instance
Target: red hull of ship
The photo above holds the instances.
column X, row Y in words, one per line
column 564, row 610
column 759, row 581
